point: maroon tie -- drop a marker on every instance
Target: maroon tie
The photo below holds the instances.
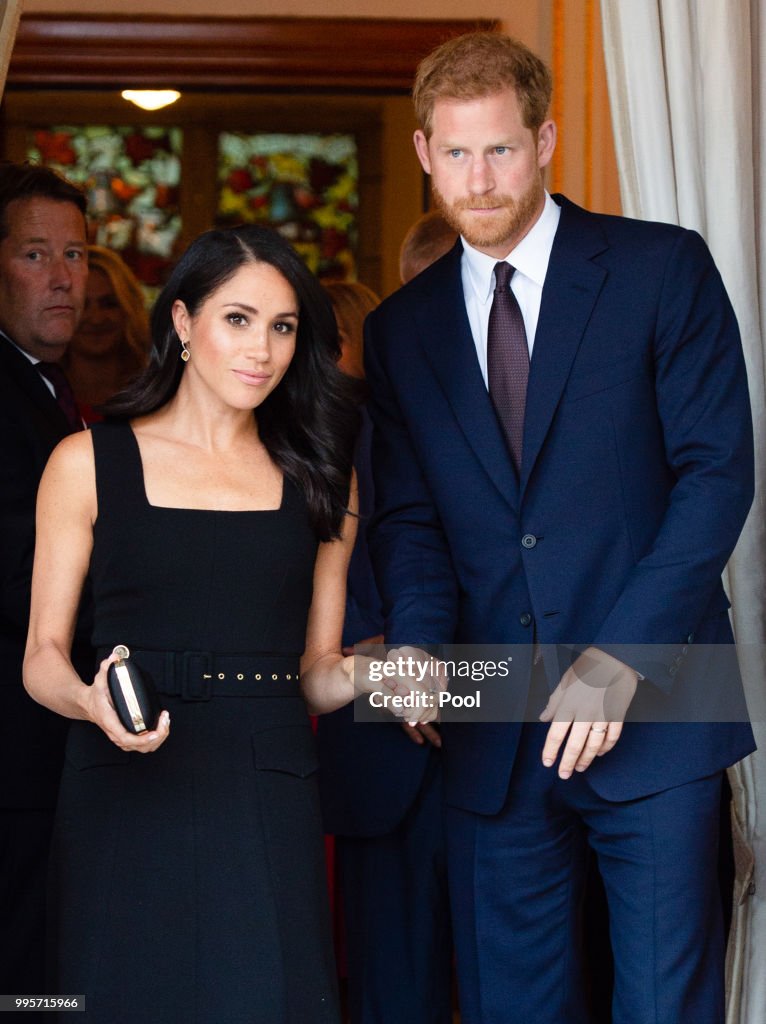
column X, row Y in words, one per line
column 508, row 360
column 64, row 393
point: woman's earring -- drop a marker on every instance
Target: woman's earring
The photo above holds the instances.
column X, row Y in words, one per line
column 185, row 353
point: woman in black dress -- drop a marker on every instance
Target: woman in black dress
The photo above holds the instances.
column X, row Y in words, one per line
column 211, row 513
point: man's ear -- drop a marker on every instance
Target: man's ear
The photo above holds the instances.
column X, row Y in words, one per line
column 421, row 148
column 546, row 143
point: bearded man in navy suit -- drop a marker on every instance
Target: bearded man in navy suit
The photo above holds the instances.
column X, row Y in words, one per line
column 590, row 497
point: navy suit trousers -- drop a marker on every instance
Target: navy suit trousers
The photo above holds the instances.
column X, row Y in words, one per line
column 396, row 911
column 517, row 887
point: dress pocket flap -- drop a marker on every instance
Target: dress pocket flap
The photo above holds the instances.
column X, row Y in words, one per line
column 290, row 749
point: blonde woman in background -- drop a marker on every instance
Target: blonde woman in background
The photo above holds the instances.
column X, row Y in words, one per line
column 111, row 343
column 351, row 301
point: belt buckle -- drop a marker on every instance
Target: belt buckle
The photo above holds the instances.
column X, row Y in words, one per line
column 196, row 676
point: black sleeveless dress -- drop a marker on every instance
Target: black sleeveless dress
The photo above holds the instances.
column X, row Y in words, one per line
column 189, row 884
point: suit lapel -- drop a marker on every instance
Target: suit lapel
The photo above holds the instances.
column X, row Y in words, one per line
column 17, row 367
column 445, row 335
column 572, row 286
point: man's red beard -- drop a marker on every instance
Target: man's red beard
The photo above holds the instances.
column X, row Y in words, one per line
column 511, row 221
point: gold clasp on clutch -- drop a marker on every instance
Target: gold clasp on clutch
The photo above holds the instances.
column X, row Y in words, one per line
column 122, row 654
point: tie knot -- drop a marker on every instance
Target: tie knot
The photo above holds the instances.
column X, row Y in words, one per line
column 503, row 274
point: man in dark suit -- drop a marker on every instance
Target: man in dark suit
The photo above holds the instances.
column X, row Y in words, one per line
column 563, row 455
column 43, row 271
column 381, row 790
column 389, row 841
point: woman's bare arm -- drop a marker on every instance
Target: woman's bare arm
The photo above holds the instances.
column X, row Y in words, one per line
column 327, row 676
column 66, row 513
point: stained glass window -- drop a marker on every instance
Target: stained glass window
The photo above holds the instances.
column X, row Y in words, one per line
column 306, row 186
column 132, row 178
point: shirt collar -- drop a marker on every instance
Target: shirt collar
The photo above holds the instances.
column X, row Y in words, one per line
column 530, row 257
column 33, row 359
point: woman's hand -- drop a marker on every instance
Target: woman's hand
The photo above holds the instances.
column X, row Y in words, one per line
column 99, row 709
column 408, row 679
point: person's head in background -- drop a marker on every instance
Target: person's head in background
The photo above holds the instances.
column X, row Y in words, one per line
column 112, row 340
column 429, row 238
column 351, row 302
column 43, row 259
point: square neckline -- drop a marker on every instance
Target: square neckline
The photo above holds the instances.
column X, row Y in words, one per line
column 208, row 511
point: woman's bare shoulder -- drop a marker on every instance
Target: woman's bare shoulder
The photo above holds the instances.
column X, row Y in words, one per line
column 70, row 474
column 74, row 453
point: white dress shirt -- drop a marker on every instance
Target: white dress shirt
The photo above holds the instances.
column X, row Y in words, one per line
column 530, row 258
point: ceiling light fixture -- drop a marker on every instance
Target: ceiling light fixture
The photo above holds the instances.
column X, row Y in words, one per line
column 151, row 99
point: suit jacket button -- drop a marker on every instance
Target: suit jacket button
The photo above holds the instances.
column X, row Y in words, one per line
column 528, row 540
column 690, row 638
column 525, row 619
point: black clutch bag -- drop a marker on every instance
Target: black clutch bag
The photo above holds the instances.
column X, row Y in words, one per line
column 133, row 693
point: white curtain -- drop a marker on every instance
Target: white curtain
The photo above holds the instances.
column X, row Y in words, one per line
column 687, row 86
column 10, row 12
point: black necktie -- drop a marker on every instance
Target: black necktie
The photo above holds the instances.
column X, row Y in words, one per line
column 64, row 394
column 508, row 360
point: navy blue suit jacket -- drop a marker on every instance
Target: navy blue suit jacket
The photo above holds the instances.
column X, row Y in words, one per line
column 370, row 773
column 636, row 477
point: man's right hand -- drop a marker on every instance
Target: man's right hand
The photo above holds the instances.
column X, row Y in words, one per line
column 422, row 733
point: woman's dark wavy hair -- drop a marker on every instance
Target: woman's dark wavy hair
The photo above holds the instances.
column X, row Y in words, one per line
column 308, row 423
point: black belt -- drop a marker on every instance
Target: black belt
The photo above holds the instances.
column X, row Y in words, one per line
column 201, row 675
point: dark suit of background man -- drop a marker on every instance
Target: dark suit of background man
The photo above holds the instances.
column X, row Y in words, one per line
column 43, row 270
column 604, row 516
column 381, row 792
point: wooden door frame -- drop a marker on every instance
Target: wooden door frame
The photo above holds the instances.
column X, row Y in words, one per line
column 339, row 54
column 288, row 70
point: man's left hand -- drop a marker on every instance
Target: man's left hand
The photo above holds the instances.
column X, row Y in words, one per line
column 589, row 704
